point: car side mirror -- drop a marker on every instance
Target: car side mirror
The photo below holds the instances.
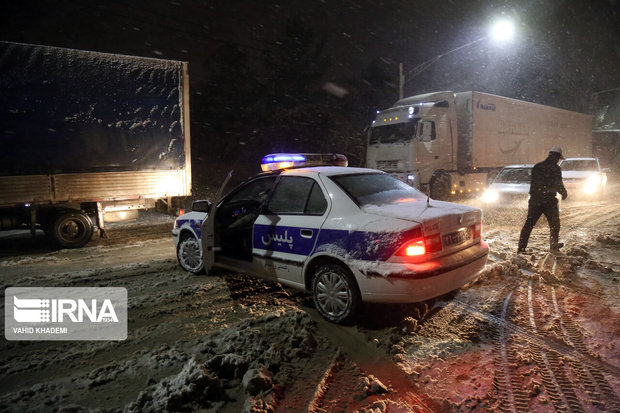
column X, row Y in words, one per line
column 202, row 206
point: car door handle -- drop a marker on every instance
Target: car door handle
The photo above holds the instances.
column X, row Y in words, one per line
column 306, row 233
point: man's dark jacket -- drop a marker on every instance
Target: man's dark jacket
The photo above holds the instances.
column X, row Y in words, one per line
column 547, row 180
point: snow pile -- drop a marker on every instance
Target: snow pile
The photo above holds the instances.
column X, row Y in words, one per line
column 608, row 239
column 370, row 385
column 193, row 386
column 503, row 269
column 242, row 364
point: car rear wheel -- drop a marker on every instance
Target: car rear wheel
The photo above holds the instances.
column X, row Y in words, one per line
column 335, row 293
column 189, row 256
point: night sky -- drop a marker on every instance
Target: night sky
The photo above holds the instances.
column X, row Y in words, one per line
column 563, row 53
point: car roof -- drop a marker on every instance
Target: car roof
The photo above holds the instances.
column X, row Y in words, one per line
column 519, row 166
column 329, row 170
column 581, row 159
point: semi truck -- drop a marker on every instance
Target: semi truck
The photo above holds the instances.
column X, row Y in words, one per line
column 88, row 137
column 450, row 144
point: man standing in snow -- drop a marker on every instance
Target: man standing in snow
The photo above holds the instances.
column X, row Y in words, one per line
column 546, row 183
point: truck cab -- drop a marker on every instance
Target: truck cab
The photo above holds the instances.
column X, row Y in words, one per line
column 415, row 138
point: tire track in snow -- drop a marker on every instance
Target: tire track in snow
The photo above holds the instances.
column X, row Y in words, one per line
column 592, row 378
column 558, row 385
column 506, row 380
column 573, row 383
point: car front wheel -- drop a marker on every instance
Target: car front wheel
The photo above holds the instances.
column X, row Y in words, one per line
column 189, row 256
column 335, row 293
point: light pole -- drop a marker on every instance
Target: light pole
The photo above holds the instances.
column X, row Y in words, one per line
column 502, row 30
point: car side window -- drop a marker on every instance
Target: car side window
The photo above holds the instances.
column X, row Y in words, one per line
column 297, row 195
column 256, row 190
column 317, row 204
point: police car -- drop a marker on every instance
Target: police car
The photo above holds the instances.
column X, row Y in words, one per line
column 346, row 235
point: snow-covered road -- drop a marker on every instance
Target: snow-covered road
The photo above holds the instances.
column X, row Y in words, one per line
column 535, row 332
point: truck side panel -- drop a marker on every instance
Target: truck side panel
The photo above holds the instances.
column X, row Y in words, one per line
column 25, row 189
column 92, row 187
column 508, row 131
column 111, row 186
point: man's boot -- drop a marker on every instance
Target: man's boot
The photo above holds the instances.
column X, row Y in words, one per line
column 555, row 249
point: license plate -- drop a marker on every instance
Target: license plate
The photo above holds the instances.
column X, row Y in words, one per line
column 457, row 237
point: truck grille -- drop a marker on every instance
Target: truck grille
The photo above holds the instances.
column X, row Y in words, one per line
column 387, row 165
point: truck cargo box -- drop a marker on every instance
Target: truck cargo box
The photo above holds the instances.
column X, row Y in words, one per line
column 72, row 111
column 83, row 133
column 495, row 131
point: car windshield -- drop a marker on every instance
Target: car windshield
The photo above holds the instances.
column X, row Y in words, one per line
column 377, row 189
column 397, row 132
column 514, row 176
column 579, row 165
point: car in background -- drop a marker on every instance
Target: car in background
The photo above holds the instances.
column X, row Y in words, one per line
column 510, row 188
column 346, row 235
column 583, row 177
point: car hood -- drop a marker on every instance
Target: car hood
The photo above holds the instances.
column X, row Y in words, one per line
column 509, row 188
column 578, row 174
column 436, row 216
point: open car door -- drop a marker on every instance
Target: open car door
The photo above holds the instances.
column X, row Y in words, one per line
column 207, row 229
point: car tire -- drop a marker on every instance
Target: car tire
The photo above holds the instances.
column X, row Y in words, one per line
column 335, row 293
column 72, row 230
column 189, row 256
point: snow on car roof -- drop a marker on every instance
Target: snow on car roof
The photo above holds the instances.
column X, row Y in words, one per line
column 580, row 159
column 332, row 170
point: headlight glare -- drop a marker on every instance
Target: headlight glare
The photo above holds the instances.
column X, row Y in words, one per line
column 490, row 196
column 592, row 184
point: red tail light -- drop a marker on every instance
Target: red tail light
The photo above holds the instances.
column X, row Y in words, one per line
column 415, row 248
column 421, row 246
column 433, row 243
column 477, row 230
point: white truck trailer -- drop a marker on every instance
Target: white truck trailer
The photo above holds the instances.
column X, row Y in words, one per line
column 451, row 143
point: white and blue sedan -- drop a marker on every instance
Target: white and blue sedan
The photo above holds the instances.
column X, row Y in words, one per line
column 346, row 235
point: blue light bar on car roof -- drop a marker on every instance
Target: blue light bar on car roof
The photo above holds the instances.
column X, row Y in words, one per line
column 283, row 157
column 278, row 161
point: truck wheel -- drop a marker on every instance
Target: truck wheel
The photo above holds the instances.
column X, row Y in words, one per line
column 440, row 186
column 72, row 230
column 188, row 254
column 335, row 293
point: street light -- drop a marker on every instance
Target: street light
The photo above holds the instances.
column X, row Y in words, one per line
column 500, row 31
